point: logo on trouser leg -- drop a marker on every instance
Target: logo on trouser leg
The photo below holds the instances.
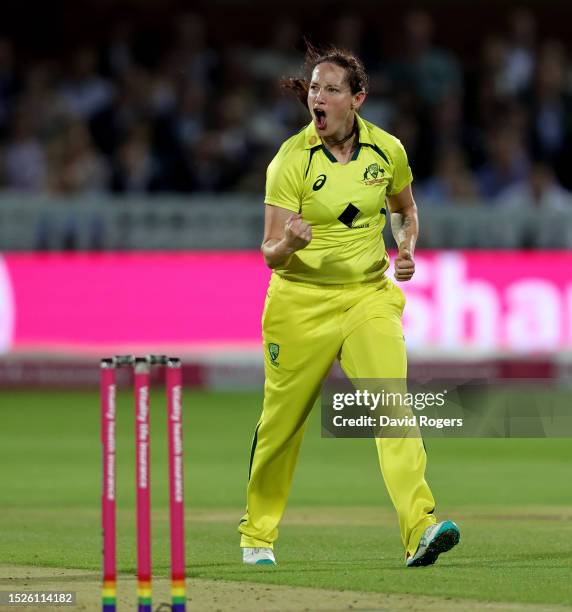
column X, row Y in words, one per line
column 273, row 350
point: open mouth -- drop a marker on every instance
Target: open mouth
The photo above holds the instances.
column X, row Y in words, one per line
column 320, row 118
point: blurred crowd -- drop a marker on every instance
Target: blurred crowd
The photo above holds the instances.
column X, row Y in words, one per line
column 187, row 115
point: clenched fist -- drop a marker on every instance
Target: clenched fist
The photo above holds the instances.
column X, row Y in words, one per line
column 404, row 265
column 297, row 233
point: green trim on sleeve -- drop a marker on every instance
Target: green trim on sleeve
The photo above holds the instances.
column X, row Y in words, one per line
column 286, row 206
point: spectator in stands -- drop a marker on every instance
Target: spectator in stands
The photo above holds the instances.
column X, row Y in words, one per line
column 539, row 191
column 118, row 54
column 429, row 71
column 450, row 131
column 381, row 108
column 223, row 154
column 275, row 117
column 38, row 93
column 130, row 106
column 520, row 57
column 24, row 162
column 488, row 86
column 550, row 104
column 136, row 170
column 75, row 167
column 452, row 183
column 233, row 74
column 189, row 121
column 206, row 168
column 162, row 92
column 84, row 91
column 197, row 61
column 507, row 162
column 415, row 135
column 280, row 56
column 176, row 133
column 447, row 122
column 232, row 121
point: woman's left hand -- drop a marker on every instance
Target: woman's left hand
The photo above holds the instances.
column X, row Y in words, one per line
column 404, row 265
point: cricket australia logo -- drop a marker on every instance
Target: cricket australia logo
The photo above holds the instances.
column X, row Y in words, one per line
column 273, row 351
column 371, row 172
column 373, row 175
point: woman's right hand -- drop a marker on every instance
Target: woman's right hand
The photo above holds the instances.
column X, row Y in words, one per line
column 297, row 233
column 284, row 234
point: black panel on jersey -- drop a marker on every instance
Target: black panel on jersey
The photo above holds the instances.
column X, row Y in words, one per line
column 349, row 215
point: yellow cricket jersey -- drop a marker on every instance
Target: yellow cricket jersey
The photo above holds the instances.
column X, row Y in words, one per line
column 344, row 203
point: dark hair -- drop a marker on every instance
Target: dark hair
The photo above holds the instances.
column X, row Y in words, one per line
column 355, row 71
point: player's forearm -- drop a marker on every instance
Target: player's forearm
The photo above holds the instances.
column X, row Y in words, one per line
column 405, row 228
column 276, row 253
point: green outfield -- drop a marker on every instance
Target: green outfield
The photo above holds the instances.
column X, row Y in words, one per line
column 511, row 498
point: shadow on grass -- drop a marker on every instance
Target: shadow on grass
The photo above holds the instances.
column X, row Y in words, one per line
column 51, row 579
column 280, row 570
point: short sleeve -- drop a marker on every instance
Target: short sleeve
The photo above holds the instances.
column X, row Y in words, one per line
column 284, row 184
column 402, row 175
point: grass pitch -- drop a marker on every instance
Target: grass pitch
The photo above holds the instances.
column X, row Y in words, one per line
column 511, row 498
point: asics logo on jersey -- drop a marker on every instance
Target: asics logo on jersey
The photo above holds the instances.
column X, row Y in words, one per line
column 319, row 182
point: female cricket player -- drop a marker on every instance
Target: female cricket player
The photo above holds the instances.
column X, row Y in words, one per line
column 327, row 192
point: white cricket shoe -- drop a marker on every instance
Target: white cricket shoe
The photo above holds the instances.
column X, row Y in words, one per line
column 258, row 556
column 435, row 540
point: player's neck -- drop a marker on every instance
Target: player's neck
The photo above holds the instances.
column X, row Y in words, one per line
column 344, row 143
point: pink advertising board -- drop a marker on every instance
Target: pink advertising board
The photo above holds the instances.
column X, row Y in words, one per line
column 486, row 301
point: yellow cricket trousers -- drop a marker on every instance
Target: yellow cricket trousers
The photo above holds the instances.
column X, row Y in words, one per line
column 305, row 328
